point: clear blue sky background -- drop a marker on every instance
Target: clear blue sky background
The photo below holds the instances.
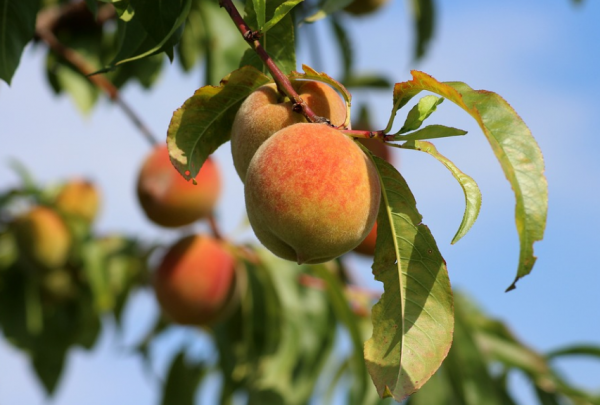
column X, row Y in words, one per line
column 540, row 55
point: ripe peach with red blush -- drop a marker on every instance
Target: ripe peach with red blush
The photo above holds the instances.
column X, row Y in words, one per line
column 168, row 199
column 195, row 282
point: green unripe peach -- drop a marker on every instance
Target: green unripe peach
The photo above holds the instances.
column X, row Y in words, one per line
column 79, row 198
column 195, row 283
column 311, row 193
column 265, row 112
column 171, row 201
column 43, row 238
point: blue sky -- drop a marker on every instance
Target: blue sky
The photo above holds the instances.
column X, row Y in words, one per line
column 541, row 56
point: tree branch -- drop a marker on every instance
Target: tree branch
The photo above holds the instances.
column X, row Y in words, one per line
column 283, row 83
column 51, row 20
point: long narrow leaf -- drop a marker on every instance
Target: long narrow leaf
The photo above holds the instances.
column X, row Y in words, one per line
column 470, row 188
column 413, row 321
column 514, row 147
column 280, row 12
column 203, row 122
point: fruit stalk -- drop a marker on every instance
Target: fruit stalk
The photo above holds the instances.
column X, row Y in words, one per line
column 283, row 82
column 361, row 133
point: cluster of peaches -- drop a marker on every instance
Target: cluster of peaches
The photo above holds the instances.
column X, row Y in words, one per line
column 44, row 234
column 311, row 195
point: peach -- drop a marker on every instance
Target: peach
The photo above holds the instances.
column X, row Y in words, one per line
column 195, row 281
column 171, row 201
column 367, row 246
column 311, row 193
column 266, row 111
column 43, row 238
column 79, row 198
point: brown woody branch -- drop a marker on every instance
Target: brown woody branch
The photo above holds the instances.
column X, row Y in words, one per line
column 54, row 19
column 283, row 82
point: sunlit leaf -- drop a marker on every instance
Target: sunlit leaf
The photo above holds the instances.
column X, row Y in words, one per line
column 280, row 12
column 431, row 132
column 203, row 122
column 514, row 147
column 413, row 321
column 420, row 112
column 470, row 188
column 17, row 25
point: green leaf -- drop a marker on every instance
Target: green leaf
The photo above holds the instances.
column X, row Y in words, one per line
column 413, row 320
column 92, row 5
column 470, row 188
column 467, row 369
column 222, row 42
column 280, row 12
column 97, row 277
column 17, row 26
column 431, row 132
column 577, row 350
column 420, row 112
column 295, row 362
column 367, row 80
column 48, row 365
column 260, row 8
column 514, row 147
column 203, row 122
column 347, row 318
column 159, row 18
column 150, row 31
column 343, row 44
column 279, row 42
column 424, row 20
column 182, row 381
column 326, row 8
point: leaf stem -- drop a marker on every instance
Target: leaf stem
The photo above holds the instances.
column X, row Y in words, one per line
column 364, row 134
column 45, row 31
column 284, row 84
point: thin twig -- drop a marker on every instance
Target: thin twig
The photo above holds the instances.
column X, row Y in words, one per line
column 214, row 227
column 283, row 82
column 47, row 22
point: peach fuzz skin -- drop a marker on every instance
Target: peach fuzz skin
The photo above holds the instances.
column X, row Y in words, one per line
column 171, row 201
column 311, row 193
column 195, row 280
column 265, row 112
column 43, row 238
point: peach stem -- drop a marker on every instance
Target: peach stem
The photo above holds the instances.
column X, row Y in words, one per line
column 283, row 82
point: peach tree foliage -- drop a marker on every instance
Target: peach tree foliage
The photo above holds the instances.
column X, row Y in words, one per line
column 281, row 338
column 413, row 321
